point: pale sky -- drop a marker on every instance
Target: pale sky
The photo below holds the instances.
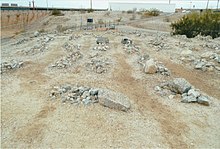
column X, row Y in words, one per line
column 104, row 3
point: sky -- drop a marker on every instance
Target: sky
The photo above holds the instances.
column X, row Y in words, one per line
column 104, row 3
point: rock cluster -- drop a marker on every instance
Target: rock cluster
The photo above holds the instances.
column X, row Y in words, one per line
column 40, row 47
column 101, row 47
column 76, row 95
column 98, row 65
column 131, row 48
column 74, row 37
column 150, row 66
column 208, row 62
column 188, row 93
column 159, row 43
column 20, row 41
column 68, row 60
column 70, row 47
column 13, row 64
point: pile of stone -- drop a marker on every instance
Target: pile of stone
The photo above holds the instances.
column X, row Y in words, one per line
column 20, row 41
column 45, row 39
column 98, row 65
column 74, row 37
column 68, row 60
column 180, row 86
column 70, row 47
column 205, row 38
column 211, row 46
column 101, row 47
column 208, row 62
column 76, row 95
column 150, row 66
column 131, row 48
column 13, row 64
column 159, row 43
column 39, row 48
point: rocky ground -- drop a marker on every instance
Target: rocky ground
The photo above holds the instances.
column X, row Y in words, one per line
column 61, row 89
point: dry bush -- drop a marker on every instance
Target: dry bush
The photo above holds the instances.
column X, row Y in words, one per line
column 100, row 21
column 56, row 12
column 129, row 11
column 119, row 19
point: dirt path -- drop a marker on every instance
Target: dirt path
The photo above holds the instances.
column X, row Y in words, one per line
column 172, row 127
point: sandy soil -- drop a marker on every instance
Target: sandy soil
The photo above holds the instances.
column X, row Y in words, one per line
column 30, row 119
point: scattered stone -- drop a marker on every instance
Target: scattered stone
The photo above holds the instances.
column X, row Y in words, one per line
column 102, row 40
column 98, row 65
column 184, row 88
column 151, row 67
column 68, row 60
column 74, row 94
column 85, row 95
column 101, row 47
column 20, row 42
column 13, row 64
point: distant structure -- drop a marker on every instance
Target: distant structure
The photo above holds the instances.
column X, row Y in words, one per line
column 33, row 5
column 14, row 5
column 5, row 4
column 118, row 6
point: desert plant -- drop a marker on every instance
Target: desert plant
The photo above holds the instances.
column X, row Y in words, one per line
column 100, row 21
column 145, row 14
column 82, row 11
column 119, row 19
column 193, row 24
column 129, row 11
column 154, row 12
column 57, row 12
column 90, row 10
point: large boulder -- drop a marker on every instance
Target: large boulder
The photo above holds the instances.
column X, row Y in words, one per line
column 150, row 67
column 114, row 100
column 178, row 85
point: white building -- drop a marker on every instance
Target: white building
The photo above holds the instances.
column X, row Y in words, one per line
column 117, row 6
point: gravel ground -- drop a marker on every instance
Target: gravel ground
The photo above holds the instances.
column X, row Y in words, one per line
column 30, row 119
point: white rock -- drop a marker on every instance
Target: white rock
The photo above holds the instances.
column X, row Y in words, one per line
column 203, row 100
column 186, row 52
column 150, row 67
column 36, row 34
column 188, row 99
column 193, row 92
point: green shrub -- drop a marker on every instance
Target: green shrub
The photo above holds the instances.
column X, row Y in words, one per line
column 193, row 24
column 56, row 12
